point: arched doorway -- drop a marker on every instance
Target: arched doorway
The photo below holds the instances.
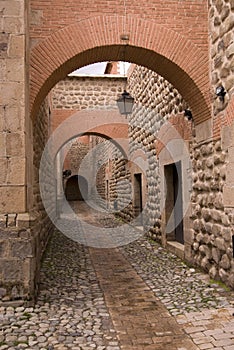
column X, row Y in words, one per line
column 76, row 188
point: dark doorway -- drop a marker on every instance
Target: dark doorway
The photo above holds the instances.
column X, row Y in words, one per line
column 138, row 198
column 76, row 188
column 174, row 202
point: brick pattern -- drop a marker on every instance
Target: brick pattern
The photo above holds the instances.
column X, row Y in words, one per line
column 77, row 151
column 180, row 60
column 209, row 329
column 140, row 320
column 185, row 17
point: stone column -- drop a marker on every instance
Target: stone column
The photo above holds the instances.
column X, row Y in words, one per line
column 228, row 144
column 15, row 244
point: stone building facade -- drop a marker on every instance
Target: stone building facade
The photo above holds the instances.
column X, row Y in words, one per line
column 39, row 47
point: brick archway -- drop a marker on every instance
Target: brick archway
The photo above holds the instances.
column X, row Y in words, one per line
column 97, row 39
column 108, row 124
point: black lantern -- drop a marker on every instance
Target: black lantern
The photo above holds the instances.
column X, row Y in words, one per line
column 188, row 114
column 66, row 173
column 125, row 103
column 220, row 92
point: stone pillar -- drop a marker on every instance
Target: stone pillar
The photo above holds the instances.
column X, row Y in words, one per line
column 228, row 144
column 15, row 242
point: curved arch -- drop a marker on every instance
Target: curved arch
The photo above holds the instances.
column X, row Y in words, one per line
column 108, row 124
column 98, row 39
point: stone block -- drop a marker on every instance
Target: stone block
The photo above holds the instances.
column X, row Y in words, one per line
column 16, row 171
column 228, row 196
column 225, row 262
column 10, row 8
column 230, row 51
column 11, row 220
column 204, row 131
column 12, row 199
column 226, row 137
column 2, row 70
column 17, row 46
column 13, row 25
column 231, row 280
column 15, row 145
column 21, row 248
column 11, row 93
column 24, row 220
column 230, row 174
column 2, row 117
column 4, row 42
column 11, row 270
column 3, row 249
column 2, row 145
column 4, row 169
column 229, row 82
column 220, row 244
column 231, row 153
column 14, row 118
column 15, row 70
column 216, row 255
column 3, row 221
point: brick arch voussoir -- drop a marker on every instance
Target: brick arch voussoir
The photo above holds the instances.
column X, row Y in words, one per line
column 98, row 39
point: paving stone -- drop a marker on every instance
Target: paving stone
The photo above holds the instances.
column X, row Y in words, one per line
column 135, row 297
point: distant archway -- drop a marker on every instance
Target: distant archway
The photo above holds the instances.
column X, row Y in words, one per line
column 76, row 188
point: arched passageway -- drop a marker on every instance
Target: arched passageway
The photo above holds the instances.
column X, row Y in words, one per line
column 106, row 136
column 172, row 40
column 76, row 188
column 176, row 58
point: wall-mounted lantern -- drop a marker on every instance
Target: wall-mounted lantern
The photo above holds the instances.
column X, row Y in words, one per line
column 188, row 114
column 220, row 92
column 66, row 173
column 125, row 103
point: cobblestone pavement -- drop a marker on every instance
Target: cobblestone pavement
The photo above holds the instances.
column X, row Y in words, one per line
column 135, row 297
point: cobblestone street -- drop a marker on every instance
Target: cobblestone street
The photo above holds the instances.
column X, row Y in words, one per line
column 138, row 296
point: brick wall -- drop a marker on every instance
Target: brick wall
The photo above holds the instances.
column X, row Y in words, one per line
column 170, row 36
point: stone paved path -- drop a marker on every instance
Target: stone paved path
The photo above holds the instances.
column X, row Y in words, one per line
column 141, row 320
column 135, row 297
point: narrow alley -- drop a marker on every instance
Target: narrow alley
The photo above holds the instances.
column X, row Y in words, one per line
column 137, row 296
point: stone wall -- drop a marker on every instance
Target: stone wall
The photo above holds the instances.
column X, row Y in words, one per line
column 13, row 107
column 221, row 14
column 77, row 151
column 23, row 237
column 89, row 93
column 77, row 92
column 15, row 239
column 210, row 225
column 212, row 222
column 222, row 45
column 155, row 101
